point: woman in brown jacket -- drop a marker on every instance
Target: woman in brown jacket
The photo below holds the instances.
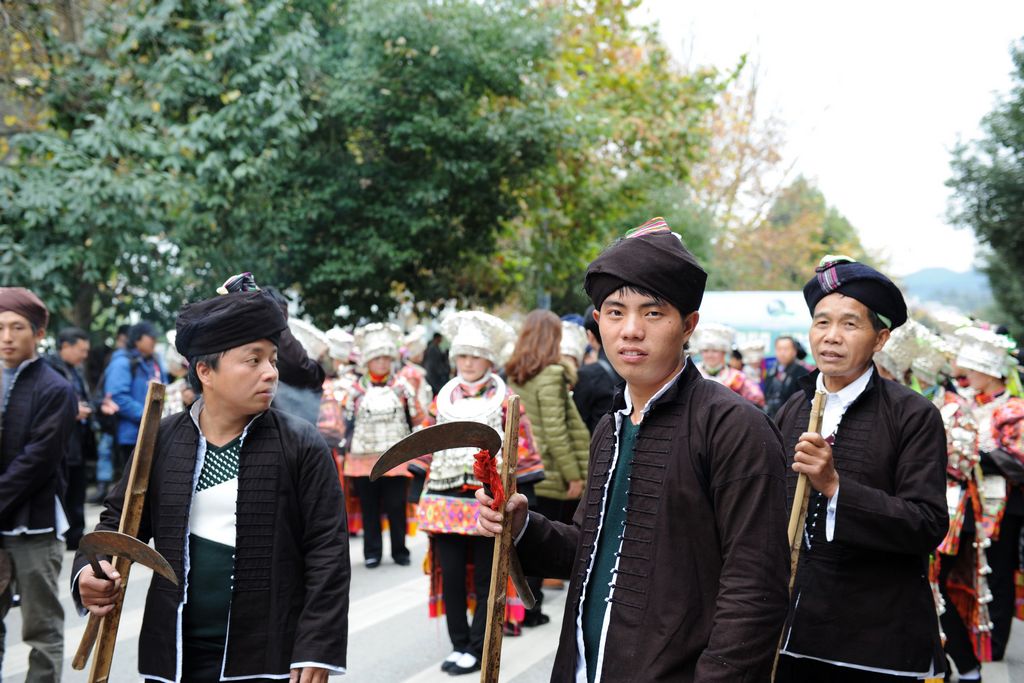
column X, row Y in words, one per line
column 537, row 373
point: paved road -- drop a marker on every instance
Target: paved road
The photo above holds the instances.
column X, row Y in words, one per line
column 391, row 639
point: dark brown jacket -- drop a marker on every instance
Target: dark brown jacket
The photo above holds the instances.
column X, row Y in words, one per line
column 289, row 601
column 864, row 598
column 701, row 591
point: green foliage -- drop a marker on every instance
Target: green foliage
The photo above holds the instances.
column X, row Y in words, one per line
column 355, row 153
column 635, row 124
column 442, row 119
column 150, row 135
column 988, row 187
column 349, row 151
column 781, row 252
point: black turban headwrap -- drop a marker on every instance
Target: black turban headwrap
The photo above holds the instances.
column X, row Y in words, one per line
column 865, row 284
column 224, row 322
column 26, row 304
column 651, row 257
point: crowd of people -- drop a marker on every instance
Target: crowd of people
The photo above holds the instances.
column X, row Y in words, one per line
column 656, row 466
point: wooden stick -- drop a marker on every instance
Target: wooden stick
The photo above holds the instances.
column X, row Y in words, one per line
column 798, row 515
column 502, row 548
column 105, row 628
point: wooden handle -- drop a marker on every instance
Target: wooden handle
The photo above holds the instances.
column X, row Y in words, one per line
column 105, row 633
column 92, row 629
column 798, row 515
column 502, row 548
column 104, row 657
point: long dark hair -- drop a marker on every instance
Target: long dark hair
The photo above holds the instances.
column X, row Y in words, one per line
column 537, row 347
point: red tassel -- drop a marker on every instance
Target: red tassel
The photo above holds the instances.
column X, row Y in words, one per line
column 485, row 469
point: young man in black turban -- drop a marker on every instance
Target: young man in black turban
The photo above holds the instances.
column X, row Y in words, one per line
column 245, row 505
column 862, row 609
column 677, row 556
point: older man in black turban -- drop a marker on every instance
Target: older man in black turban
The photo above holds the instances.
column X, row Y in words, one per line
column 677, row 555
column 263, row 569
column 862, row 608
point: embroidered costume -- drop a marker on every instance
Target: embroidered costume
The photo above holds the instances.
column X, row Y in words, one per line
column 714, row 337
column 448, row 510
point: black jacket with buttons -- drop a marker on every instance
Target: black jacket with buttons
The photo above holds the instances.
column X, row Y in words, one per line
column 701, row 583
column 864, row 597
column 289, row 599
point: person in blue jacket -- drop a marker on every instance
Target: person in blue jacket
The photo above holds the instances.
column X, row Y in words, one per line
column 127, row 380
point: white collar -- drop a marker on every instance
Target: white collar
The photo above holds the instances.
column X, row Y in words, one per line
column 628, row 410
column 475, row 386
column 851, row 391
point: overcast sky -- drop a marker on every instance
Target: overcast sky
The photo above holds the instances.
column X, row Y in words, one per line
column 874, row 96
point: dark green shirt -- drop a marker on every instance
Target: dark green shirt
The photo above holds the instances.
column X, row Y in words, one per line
column 602, row 574
column 211, row 564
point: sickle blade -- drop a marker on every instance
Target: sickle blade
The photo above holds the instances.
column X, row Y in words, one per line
column 437, row 438
column 112, row 543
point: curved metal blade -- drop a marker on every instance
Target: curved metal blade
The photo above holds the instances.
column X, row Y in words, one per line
column 437, row 438
column 116, row 544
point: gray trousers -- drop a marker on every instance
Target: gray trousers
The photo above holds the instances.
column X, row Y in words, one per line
column 37, row 559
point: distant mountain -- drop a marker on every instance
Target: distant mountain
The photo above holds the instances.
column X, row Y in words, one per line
column 969, row 291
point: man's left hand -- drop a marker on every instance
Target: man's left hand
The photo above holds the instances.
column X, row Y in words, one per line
column 308, row 674
column 814, row 458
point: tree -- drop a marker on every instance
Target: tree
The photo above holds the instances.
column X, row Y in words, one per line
column 442, row 119
column 988, row 195
column 345, row 151
column 98, row 200
column 635, row 125
column 743, row 170
column 783, row 249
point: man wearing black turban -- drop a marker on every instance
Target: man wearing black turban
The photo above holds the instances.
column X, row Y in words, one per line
column 677, row 556
column 264, row 567
column 862, row 608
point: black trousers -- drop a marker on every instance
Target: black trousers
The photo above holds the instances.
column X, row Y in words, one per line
column 1004, row 558
column 453, row 551
column 74, row 505
column 384, row 496
column 801, row 670
column 201, row 663
column 958, row 639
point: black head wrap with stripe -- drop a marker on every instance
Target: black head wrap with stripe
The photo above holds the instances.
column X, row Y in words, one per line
column 224, row 322
column 650, row 257
column 858, row 281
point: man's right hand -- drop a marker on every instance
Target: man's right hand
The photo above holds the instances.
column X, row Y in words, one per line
column 98, row 595
column 489, row 522
column 575, row 489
